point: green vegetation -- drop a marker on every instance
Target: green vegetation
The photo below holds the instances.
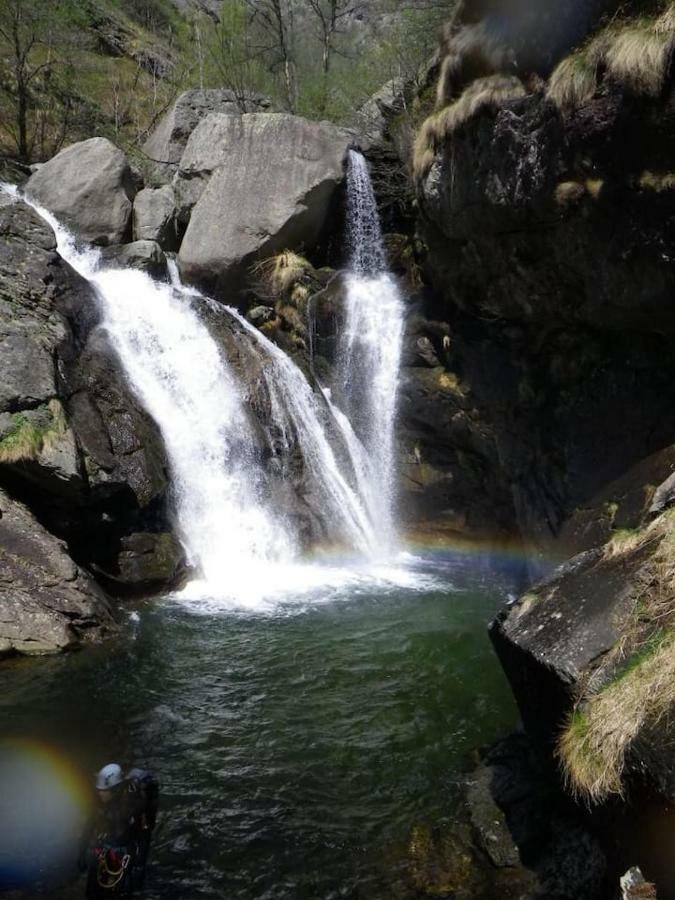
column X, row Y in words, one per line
column 28, row 437
column 633, row 691
column 70, row 69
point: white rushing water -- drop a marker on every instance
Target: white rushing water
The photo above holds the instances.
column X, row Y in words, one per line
column 369, row 351
column 246, row 553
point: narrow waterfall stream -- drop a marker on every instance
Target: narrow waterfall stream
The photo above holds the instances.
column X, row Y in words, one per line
column 369, row 348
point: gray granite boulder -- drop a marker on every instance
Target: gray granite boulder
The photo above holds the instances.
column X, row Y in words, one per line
column 166, row 144
column 146, row 256
column 274, row 180
column 89, row 187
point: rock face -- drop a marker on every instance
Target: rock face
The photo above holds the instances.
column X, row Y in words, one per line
column 548, row 217
column 36, row 443
column 47, row 604
column 74, row 444
column 562, row 319
column 166, row 144
column 154, row 217
column 296, row 167
column 146, row 256
column 89, row 187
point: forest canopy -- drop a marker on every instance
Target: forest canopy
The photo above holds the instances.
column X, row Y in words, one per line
column 72, row 69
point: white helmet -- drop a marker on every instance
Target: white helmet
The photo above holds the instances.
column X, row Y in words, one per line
column 109, row 777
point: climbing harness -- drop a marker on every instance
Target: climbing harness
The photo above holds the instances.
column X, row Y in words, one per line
column 106, row 877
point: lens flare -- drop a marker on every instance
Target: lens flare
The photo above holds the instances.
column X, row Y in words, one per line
column 44, row 806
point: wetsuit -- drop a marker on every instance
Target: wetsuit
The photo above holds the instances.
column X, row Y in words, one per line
column 121, row 832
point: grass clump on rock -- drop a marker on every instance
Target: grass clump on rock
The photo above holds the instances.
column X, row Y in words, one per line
column 281, row 275
column 636, row 53
column 632, row 694
column 596, row 741
column 484, row 94
column 27, row 438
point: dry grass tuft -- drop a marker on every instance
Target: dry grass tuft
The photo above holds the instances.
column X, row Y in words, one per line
column 279, row 274
column 657, row 181
column 469, row 53
column 484, row 94
column 448, row 79
column 623, row 541
column 569, row 193
column 573, row 82
column 639, row 57
column 594, row 745
column 635, row 53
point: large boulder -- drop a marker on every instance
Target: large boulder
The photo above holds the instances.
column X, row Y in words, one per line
column 166, row 144
column 89, row 187
column 47, row 604
column 274, row 181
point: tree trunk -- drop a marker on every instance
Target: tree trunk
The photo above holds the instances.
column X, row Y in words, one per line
column 22, row 119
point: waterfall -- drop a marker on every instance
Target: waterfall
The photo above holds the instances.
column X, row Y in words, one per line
column 243, row 547
column 235, row 537
column 369, row 351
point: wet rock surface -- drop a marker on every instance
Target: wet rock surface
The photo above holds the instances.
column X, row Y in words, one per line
column 75, row 446
column 47, row 603
column 147, row 256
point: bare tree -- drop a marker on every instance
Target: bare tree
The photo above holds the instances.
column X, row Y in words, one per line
column 273, row 28
column 330, row 17
column 30, row 32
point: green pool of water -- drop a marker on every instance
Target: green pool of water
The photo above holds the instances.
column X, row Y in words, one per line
column 296, row 749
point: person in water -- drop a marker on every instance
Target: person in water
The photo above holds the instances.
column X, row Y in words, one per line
column 120, row 839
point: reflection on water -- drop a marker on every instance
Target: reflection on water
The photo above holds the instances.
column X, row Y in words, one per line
column 295, row 748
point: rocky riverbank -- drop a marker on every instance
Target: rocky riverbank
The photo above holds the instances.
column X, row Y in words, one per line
column 545, row 201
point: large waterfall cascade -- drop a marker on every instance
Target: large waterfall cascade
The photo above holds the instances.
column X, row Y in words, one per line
column 244, row 550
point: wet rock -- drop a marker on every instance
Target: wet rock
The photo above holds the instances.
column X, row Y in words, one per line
column 296, row 167
column 75, row 445
column 154, row 217
column 47, row 604
column 528, row 828
column 89, row 187
column 36, row 442
column 166, row 144
column 555, row 635
column 147, row 256
column 122, row 449
column 148, row 560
